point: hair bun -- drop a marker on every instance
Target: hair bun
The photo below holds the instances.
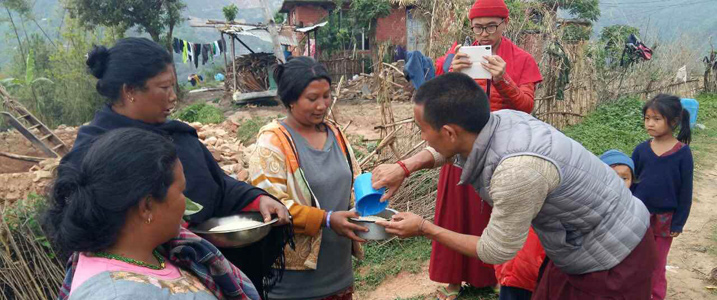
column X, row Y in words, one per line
column 97, row 61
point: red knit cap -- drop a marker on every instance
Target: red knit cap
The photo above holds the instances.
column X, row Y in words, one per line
column 488, row 8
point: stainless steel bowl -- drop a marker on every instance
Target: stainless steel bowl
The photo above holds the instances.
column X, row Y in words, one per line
column 234, row 238
column 375, row 232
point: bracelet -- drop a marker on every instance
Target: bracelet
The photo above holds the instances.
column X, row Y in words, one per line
column 420, row 228
column 405, row 169
column 328, row 219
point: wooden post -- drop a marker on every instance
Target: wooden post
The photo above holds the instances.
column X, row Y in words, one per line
column 234, row 66
column 308, row 44
column 316, row 43
column 226, row 71
column 273, row 32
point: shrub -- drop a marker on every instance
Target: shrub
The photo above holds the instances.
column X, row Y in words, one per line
column 613, row 125
column 249, row 129
column 200, row 112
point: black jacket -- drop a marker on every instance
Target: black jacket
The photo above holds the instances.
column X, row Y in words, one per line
column 207, row 184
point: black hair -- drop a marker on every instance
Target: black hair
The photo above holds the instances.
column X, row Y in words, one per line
column 295, row 75
column 89, row 202
column 131, row 62
column 454, row 98
column 632, row 173
column 670, row 107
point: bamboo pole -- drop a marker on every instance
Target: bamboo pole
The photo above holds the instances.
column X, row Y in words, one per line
column 224, row 43
column 393, row 124
column 234, row 66
column 22, row 157
column 388, row 140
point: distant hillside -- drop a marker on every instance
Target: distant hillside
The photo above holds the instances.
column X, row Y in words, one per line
column 49, row 15
column 667, row 19
column 670, row 20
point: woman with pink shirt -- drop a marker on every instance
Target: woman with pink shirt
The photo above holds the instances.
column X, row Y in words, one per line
column 118, row 216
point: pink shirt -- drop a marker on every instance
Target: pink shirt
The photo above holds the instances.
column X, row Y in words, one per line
column 89, row 266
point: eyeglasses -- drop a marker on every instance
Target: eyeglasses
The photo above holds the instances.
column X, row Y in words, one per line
column 490, row 29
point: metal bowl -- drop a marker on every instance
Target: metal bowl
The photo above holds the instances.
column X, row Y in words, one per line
column 375, row 232
column 234, row 238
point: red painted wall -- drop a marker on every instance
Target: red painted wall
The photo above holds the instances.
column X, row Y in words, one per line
column 392, row 28
column 309, row 14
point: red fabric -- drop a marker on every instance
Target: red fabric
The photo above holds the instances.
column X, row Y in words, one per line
column 253, row 206
column 522, row 271
column 674, row 149
column 631, row 279
column 459, row 208
column 517, row 91
column 659, row 282
column 347, row 294
column 488, row 8
column 661, row 223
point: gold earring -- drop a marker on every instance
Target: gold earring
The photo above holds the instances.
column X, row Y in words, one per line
column 149, row 220
column 131, row 100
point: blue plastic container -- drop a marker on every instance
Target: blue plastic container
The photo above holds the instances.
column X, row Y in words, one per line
column 367, row 198
column 692, row 106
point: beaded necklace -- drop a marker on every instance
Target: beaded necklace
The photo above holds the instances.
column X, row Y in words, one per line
column 134, row 261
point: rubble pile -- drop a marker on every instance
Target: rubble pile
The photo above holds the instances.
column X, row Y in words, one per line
column 363, row 86
column 220, row 139
column 225, row 146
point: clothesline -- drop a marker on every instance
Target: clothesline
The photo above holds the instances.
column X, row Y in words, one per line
column 192, row 52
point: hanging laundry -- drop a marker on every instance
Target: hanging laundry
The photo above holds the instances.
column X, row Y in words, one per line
column 185, row 54
column 205, row 53
column 217, row 51
column 176, row 46
column 210, row 52
column 190, row 52
column 223, row 46
column 196, row 51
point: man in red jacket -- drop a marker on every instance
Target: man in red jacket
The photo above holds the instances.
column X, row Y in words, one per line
column 514, row 77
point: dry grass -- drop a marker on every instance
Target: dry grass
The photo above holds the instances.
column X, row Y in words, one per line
column 28, row 267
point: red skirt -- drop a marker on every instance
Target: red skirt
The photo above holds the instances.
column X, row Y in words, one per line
column 459, row 209
column 631, row 279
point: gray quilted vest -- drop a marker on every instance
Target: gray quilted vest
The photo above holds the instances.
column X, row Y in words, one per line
column 591, row 221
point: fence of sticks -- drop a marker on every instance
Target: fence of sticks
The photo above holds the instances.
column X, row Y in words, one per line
column 399, row 139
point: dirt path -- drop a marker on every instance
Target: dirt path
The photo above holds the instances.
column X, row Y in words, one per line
column 694, row 253
column 405, row 286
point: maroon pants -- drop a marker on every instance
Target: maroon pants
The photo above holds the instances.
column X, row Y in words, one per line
column 630, row 279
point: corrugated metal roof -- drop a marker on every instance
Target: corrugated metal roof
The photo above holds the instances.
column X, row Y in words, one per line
column 311, row 28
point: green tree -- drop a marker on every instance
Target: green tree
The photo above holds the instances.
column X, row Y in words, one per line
column 366, row 12
column 340, row 32
column 582, row 9
column 72, row 98
column 22, row 7
column 279, row 18
column 612, row 40
column 230, row 12
column 156, row 18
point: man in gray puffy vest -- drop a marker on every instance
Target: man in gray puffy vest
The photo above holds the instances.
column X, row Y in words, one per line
column 592, row 228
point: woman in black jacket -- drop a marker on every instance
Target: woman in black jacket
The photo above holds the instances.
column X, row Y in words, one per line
column 137, row 77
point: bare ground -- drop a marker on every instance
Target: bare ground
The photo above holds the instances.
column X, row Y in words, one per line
column 405, row 285
column 692, row 257
column 694, row 253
